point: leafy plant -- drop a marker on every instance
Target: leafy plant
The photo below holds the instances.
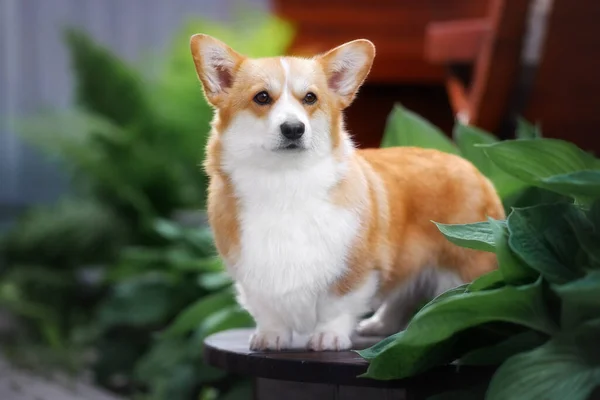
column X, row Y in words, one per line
column 537, row 317
column 109, row 270
column 405, row 128
column 166, row 300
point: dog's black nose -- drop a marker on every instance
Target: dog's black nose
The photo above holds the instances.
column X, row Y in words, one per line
column 292, row 130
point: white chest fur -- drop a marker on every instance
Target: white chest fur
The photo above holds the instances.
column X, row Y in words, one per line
column 294, row 240
column 292, row 236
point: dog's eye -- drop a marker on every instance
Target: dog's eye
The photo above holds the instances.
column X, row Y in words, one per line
column 262, row 98
column 310, row 98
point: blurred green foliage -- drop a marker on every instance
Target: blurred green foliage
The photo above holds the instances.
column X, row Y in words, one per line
column 113, row 279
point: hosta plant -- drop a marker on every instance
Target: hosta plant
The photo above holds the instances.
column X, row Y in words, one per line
column 536, row 319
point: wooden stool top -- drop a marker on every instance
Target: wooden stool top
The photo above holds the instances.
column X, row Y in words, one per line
column 229, row 351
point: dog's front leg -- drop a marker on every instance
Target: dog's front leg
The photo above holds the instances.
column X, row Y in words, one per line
column 272, row 333
column 334, row 334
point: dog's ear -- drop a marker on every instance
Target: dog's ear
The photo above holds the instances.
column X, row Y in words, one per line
column 216, row 64
column 346, row 68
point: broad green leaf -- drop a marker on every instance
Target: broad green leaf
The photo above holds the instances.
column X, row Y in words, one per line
column 468, row 138
column 532, row 196
column 232, row 317
column 168, row 229
column 566, row 367
column 447, row 294
column 214, row 280
column 534, row 160
column 136, row 303
column 513, row 269
column 526, row 130
column 425, row 341
column 163, row 356
column 478, row 236
column 377, row 348
column 582, row 185
column 594, row 214
column 498, row 353
column 542, row 237
column 491, row 280
column 105, row 85
column 405, row 128
column 208, row 264
column 505, row 184
column 194, row 314
column 202, row 240
column 580, row 300
column 587, row 231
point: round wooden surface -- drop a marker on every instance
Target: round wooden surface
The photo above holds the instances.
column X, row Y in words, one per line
column 229, row 351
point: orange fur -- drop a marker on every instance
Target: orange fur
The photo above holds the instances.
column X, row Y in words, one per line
column 420, row 186
column 222, row 204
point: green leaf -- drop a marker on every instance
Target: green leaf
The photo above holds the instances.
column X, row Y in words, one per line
column 513, row 269
column 202, row 240
column 477, row 236
column 580, row 300
column 532, row 196
column 405, row 128
column 534, row 161
column 428, row 339
column 448, row 293
column 168, row 229
column 498, row 353
column 194, row 264
column 104, row 83
column 196, row 313
column 466, row 137
column 373, row 351
column 163, row 356
column 586, row 227
column 526, row 130
column 492, row 280
column 594, row 214
column 232, row 317
column 542, row 237
column 582, row 185
column 137, row 303
column 214, row 280
column 567, row 367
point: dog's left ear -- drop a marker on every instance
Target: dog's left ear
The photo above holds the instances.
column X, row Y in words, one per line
column 346, row 68
column 216, row 64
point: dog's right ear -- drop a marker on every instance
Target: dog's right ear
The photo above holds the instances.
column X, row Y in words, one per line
column 216, row 64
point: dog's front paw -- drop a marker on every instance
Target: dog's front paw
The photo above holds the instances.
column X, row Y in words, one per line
column 332, row 341
column 270, row 340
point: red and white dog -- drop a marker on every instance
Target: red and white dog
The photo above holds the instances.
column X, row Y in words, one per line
column 314, row 232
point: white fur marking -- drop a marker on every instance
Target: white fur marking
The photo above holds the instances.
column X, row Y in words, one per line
column 286, row 74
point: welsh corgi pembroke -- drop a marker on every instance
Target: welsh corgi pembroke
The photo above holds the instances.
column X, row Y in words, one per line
column 315, row 232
